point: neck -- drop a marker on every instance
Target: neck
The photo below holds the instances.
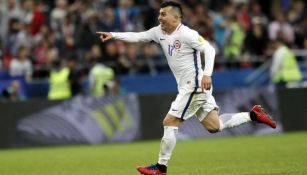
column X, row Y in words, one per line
column 172, row 29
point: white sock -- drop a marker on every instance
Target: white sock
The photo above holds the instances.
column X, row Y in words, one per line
column 232, row 120
column 168, row 144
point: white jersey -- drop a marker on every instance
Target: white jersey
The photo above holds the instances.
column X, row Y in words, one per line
column 182, row 49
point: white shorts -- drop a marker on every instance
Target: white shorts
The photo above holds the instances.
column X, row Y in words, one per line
column 189, row 103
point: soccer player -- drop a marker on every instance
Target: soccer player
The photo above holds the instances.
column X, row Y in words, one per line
column 182, row 46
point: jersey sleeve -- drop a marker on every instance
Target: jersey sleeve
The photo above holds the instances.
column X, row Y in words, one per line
column 146, row 36
column 197, row 42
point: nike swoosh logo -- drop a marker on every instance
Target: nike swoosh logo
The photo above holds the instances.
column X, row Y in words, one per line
column 161, row 39
column 174, row 110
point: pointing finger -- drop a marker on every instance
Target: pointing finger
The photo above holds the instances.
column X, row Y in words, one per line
column 100, row 33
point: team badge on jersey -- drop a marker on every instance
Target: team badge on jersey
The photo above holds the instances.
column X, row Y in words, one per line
column 177, row 44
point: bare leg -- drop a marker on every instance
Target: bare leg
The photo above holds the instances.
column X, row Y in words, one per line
column 214, row 123
column 211, row 122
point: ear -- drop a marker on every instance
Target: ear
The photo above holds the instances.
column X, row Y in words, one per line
column 176, row 17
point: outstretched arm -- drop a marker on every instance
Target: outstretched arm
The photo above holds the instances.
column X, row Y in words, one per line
column 146, row 36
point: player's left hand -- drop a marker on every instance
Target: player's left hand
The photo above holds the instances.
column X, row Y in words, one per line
column 105, row 36
column 206, row 83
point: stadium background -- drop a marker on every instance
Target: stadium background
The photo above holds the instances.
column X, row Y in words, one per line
column 65, row 30
column 116, row 133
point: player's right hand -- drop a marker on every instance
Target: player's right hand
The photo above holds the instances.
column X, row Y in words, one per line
column 206, row 83
column 104, row 36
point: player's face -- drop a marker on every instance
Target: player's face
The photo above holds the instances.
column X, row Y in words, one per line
column 167, row 19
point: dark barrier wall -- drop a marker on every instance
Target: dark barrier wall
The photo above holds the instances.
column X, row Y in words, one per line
column 153, row 110
column 12, row 112
column 154, row 107
column 293, row 108
column 80, row 120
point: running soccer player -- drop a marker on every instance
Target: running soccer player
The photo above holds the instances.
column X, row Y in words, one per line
column 182, row 46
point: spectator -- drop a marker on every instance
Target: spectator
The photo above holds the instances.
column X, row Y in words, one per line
column 149, row 14
column 94, row 55
column 296, row 18
column 256, row 38
column 297, row 12
column 67, row 42
column 57, row 16
column 234, row 42
column 221, row 24
column 108, row 20
column 127, row 15
column 110, row 52
column 38, row 18
column 59, row 83
column 62, row 25
column 201, row 20
column 11, row 41
column 72, row 23
column 101, row 79
column 44, row 53
column 24, row 37
column 282, row 27
column 45, row 33
column 256, row 11
column 21, row 65
column 86, row 35
column 8, row 10
column 284, row 69
column 27, row 8
column 152, row 59
column 98, row 5
column 13, row 92
column 304, row 31
column 305, row 44
column 131, row 62
column 1, row 54
column 243, row 16
column 75, row 76
column 79, row 11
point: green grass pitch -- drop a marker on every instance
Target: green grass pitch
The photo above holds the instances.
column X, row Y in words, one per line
column 284, row 154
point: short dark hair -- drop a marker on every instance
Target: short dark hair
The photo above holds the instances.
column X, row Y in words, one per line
column 173, row 4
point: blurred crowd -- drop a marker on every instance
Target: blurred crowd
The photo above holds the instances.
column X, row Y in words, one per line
column 36, row 33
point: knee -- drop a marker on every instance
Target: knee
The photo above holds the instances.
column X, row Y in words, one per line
column 213, row 130
column 168, row 121
column 212, row 122
column 171, row 121
column 212, row 127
